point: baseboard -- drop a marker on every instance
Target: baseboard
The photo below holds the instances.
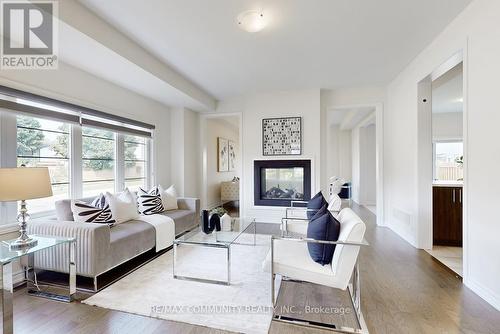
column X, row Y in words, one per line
column 483, row 292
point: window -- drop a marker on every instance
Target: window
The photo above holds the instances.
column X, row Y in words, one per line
column 98, row 161
column 45, row 143
column 448, row 161
column 135, row 162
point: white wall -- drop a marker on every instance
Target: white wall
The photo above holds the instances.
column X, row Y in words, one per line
column 255, row 107
column 476, row 31
column 76, row 86
column 368, row 166
column 338, row 153
column 192, row 155
column 356, row 164
column 447, row 126
column 219, row 127
column 185, row 162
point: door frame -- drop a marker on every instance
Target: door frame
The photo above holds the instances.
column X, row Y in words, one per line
column 379, row 133
column 425, row 159
column 204, row 155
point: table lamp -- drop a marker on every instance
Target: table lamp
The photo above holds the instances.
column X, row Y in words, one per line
column 21, row 184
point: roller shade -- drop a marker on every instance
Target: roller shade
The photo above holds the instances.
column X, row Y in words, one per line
column 39, row 112
column 102, row 124
column 42, row 106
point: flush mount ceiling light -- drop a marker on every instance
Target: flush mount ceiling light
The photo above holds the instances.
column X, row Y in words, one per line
column 251, row 21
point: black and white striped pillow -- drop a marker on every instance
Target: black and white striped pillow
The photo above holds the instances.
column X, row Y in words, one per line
column 97, row 212
column 100, row 202
column 149, row 202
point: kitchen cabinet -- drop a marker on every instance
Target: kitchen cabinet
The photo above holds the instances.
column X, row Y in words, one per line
column 447, row 210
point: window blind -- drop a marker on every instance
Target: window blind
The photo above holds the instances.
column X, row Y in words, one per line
column 42, row 106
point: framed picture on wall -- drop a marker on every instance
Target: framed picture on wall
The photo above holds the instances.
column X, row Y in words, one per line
column 232, row 156
column 223, row 154
column 282, row 136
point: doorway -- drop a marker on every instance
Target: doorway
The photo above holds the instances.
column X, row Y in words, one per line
column 221, row 157
column 447, row 166
column 354, row 153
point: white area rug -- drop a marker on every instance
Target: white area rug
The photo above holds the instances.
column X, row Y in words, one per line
column 243, row 307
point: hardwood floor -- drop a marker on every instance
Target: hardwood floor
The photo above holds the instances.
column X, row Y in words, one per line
column 403, row 291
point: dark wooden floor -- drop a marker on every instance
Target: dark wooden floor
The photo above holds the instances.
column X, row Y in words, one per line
column 403, row 291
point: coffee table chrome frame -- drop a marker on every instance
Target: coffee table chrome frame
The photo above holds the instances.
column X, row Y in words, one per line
column 217, row 244
column 203, row 280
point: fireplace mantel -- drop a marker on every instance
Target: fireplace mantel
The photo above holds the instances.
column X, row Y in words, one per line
column 278, row 182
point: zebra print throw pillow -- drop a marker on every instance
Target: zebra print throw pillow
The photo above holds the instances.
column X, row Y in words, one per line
column 149, row 201
column 91, row 213
column 100, row 201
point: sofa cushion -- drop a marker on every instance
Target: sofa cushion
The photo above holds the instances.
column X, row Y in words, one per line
column 184, row 219
column 130, row 239
column 63, row 210
column 292, row 259
column 327, row 228
column 314, row 204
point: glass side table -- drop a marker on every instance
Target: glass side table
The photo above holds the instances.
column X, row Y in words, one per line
column 7, row 256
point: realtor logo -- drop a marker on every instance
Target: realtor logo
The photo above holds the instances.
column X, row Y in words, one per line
column 29, row 35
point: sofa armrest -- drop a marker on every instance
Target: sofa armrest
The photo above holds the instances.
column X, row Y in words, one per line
column 92, row 246
column 186, row 203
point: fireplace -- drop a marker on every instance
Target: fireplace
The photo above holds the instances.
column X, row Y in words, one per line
column 278, row 182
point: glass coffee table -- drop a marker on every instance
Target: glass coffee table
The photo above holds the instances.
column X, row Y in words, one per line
column 217, row 239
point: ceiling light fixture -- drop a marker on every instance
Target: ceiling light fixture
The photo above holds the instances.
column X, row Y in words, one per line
column 251, row 21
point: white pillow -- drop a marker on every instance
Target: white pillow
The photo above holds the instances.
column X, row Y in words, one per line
column 123, row 206
column 169, row 198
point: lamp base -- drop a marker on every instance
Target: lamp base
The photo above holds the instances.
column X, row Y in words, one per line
column 20, row 244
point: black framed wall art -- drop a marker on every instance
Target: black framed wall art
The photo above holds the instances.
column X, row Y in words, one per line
column 282, row 136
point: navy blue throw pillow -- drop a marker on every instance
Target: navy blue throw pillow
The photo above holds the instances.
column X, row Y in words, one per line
column 327, row 228
column 320, row 212
column 315, row 204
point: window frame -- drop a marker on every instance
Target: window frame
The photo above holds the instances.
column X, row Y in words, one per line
column 45, row 213
column 115, row 159
column 8, row 158
column 146, row 161
column 441, row 141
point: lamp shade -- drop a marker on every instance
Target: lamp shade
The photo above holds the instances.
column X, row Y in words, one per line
column 24, row 183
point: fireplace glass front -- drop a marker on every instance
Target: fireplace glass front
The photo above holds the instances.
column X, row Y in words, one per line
column 282, row 183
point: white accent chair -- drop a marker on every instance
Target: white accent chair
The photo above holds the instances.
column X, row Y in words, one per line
column 334, row 203
column 289, row 258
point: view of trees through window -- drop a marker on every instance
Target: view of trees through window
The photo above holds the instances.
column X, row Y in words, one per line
column 98, row 160
column 448, row 161
column 45, row 143
column 135, row 162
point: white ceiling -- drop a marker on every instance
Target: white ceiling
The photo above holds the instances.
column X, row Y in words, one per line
column 349, row 118
column 308, row 44
column 447, row 91
column 92, row 57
